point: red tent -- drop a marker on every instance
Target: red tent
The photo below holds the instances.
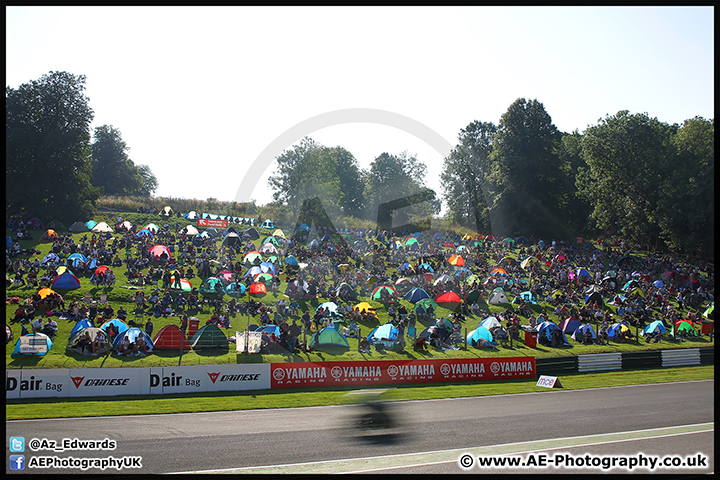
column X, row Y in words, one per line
column 257, row 288
column 170, row 337
column 157, row 251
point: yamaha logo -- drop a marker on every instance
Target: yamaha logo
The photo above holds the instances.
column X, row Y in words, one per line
column 278, row 374
column 445, row 369
column 336, row 372
column 495, row 367
column 392, row 371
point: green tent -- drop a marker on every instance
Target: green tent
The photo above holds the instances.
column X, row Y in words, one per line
column 328, row 337
column 209, row 336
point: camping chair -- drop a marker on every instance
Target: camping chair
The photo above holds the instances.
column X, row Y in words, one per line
column 87, row 298
column 103, row 298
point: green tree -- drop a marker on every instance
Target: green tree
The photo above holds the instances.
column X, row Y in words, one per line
column 48, row 149
column 465, row 179
column 149, row 181
column 310, row 170
column 686, row 219
column 628, row 157
column 113, row 170
column 392, row 177
column 576, row 210
column 527, row 174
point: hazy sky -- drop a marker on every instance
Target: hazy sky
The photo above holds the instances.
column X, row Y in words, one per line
column 203, row 95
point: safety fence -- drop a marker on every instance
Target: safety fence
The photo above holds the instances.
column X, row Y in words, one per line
column 625, row 361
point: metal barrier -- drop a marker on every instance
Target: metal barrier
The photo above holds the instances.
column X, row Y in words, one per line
column 556, row 365
column 599, row 362
column 640, row 360
column 680, row 357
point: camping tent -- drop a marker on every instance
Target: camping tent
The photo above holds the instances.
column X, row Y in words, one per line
column 490, row 323
column 74, row 341
column 121, row 326
column 328, row 337
column 166, row 211
column 497, row 297
column 209, row 336
column 653, row 327
column 545, row 333
column 569, row 325
column 267, row 224
column 189, row 230
column 33, row 344
column 90, row 224
column 102, row 227
column 191, row 215
column 157, row 252
column 415, row 295
column 450, row 300
column 84, row 323
column 170, row 337
column 579, row 333
column 386, row 334
column 49, row 235
column 66, row 281
column 79, row 227
column 257, row 288
column 252, row 233
column 480, row 334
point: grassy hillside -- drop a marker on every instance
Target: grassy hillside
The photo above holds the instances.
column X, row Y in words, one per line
column 118, row 296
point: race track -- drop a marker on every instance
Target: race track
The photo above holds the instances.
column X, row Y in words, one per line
column 661, row 419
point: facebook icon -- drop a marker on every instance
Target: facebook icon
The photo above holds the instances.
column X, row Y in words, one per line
column 17, row 462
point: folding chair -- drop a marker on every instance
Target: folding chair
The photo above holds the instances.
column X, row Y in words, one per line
column 103, row 298
column 87, row 298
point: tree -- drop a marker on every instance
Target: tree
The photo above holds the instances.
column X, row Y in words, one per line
column 686, row 219
column 113, row 170
column 527, row 174
column 149, row 181
column 393, row 177
column 310, row 170
column 465, row 177
column 628, row 157
column 48, row 149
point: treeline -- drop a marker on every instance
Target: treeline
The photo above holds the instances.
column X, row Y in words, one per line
column 55, row 168
column 631, row 176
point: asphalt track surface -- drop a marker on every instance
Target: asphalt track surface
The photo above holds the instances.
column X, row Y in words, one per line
column 580, row 426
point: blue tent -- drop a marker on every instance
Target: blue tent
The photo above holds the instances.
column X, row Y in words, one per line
column 132, row 335
column 269, row 329
column 527, row 296
column 122, row 327
column 84, row 323
column 291, row 261
column 43, row 342
column 581, row 272
column 66, row 281
column 569, row 325
column 579, row 333
column 235, row 288
column 545, row 333
column 383, row 333
column 616, row 328
column 415, row 295
column 480, row 333
column 652, row 327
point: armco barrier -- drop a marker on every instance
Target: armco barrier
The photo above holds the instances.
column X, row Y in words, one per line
column 599, row 362
column 556, row 365
column 707, row 355
column 681, row 357
column 640, row 360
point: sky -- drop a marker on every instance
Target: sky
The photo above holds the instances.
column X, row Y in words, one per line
column 208, row 97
